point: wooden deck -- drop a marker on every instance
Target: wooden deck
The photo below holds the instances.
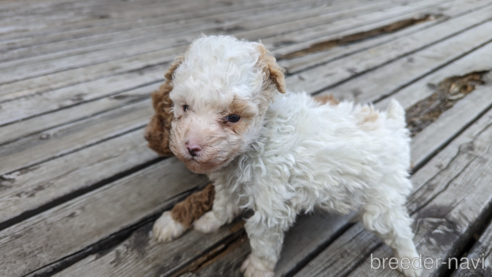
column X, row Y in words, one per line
column 80, row 190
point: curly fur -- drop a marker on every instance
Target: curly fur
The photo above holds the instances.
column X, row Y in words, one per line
column 291, row 154
column 157, row 132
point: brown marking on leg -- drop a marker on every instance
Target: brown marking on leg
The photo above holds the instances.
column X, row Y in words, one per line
column 194, row 206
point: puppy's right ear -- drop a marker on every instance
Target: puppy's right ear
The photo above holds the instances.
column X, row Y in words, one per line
column 273, row 72
column 157, row 132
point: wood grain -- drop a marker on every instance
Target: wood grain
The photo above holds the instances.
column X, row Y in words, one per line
column 321, row 77
column 70, row 227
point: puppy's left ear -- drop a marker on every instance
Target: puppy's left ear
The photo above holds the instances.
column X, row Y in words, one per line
column 158, row 130
column 274, row 73
column 169, row 73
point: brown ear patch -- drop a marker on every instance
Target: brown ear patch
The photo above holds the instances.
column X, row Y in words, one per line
column 158, row 130
column 194, row 206
column 273, row 72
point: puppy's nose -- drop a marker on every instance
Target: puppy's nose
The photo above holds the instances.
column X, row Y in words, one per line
column 193, row 149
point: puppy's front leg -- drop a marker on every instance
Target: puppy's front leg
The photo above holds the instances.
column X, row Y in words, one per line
column 173, row 224
column 224, row 210
column 266, row 240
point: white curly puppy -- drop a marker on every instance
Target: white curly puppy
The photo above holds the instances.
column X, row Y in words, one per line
column 280, row 154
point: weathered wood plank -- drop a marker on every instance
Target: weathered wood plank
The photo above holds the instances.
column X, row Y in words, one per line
column 150, row 254
column 70, row 227
column 57, row 118
column 147, row 10
column 17, row 69
column 322, row 77
column 478, row 60
column 97, row 42
column 39, row 26
column 389, row 78
column 458, row 9
column 49, row 6
column 32, row 188
column 60, row 79
column 75, row 95
column 479, row 257
column 441, row 192
column 299, row 242
column 305, row 38
column 161, row 38
column 54, row 81
column 451, row 123
column 331, row 21
column 58, row 141
column 167, row 21
column 63, row 78
column 68, row 77
column 174, row 20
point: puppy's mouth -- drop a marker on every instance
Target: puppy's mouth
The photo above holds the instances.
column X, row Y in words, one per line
column 199, row 164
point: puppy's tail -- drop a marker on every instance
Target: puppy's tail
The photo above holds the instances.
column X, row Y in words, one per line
column 396, row 113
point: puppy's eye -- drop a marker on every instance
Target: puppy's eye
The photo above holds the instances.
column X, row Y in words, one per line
column 185, row 108
column 233, row 118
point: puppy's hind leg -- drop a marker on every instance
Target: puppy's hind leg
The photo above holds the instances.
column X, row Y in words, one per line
column 391, row 222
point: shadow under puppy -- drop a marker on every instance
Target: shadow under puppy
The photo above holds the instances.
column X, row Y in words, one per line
column 280, row 153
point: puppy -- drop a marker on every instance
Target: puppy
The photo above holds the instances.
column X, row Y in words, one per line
column 280, row 154
column 175, row 222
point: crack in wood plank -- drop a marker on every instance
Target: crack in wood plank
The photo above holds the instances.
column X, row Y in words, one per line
column 447, row 93
column 356, row 37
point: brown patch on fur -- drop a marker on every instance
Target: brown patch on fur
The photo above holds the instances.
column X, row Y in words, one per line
column 158, row 130
column 194, row 206
column 371, row 115
column 245, row 111
column 366, row 117
column 273, row 72
column 326, row 99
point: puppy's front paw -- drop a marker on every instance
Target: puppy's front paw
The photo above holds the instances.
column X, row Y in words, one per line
column 207, row 223
column 254, row 267
column 166, row 228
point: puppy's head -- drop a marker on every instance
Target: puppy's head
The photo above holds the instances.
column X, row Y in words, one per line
column 222, row 89
column 157, row 132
